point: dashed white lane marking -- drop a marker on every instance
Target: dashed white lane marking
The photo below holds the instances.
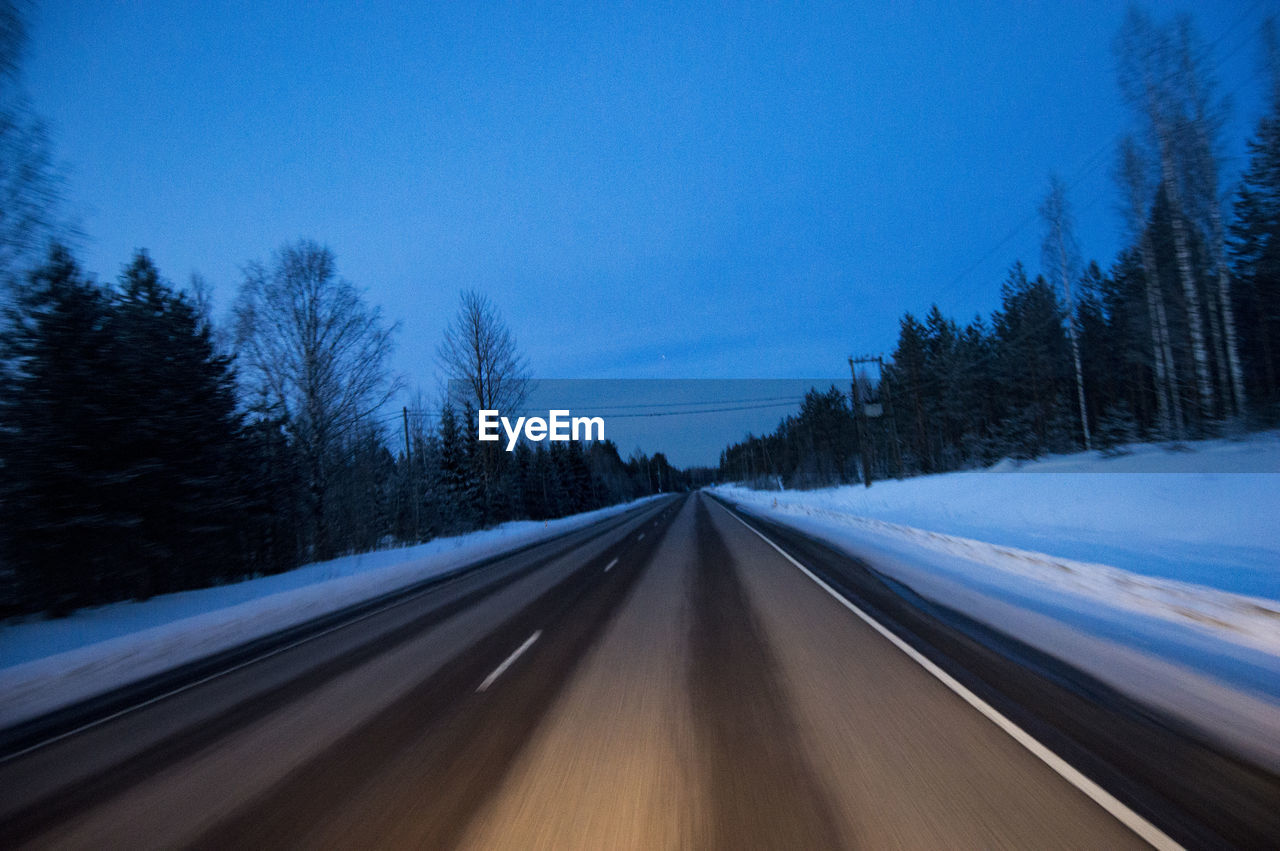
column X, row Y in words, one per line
column 498, row 671
column 610, row 565
column 641, row 538
column 1139, row 825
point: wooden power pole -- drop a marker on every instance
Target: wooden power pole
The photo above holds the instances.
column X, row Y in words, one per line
column 860, row 417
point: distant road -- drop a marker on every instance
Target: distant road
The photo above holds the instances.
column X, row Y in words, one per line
column 678, row 677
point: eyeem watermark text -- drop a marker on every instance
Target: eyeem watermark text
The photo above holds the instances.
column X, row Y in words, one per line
column 557, row 426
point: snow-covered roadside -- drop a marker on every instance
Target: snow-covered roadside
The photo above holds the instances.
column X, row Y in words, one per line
column 1204, row 516
column 1252, row 622
column 47, row 664
column 1150, row 627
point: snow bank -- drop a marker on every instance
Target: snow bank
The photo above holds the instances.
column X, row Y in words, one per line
column 1249, row 621
column 1157, row 571
column 1206, row 515
column 46, row 664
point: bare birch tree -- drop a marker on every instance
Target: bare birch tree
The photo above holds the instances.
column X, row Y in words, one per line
column 1200, row 141
column 486, row 372
column 1148, row 75
column 310, row 344
column 479, row 355
column 1136, row 188
column 1062, row 262
column 30, row 184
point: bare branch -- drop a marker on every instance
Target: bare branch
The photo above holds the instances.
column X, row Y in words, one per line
column 310, row 343
column 479, row 353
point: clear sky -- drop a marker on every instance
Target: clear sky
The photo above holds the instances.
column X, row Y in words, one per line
column 645, row 190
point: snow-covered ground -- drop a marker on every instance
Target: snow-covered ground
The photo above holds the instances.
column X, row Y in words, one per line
column 45, row 664
column 1158, row 571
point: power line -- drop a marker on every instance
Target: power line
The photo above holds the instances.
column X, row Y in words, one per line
column 1095, row 160
column 708, row 411
column 780, row 402
column 691, row 403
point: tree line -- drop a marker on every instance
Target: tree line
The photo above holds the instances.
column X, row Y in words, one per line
column 1178, row 338
column 144, row 450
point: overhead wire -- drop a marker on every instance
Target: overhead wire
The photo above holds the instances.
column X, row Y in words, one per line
column 1098, row 157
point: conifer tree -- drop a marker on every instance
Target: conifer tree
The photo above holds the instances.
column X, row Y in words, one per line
column 62, row 524
column 1255, row 247
column 907, row 378
column 456, row 485
column 122, row 444
column 1031, row 362
column 273, row 528
column 179, row 452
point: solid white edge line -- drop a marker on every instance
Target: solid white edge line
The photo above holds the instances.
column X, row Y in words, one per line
column 610, row 565
column 1139, row 825
column 506, row 663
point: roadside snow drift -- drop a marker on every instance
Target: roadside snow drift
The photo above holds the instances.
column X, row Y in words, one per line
column 48, row 664
column 1156, row 571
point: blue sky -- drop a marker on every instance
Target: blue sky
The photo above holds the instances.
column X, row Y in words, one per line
column 646, row 190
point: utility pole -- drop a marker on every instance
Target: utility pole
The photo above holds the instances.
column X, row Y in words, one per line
column 864, row 410
column 413, row 478
column 405, row 411
column 860, row 418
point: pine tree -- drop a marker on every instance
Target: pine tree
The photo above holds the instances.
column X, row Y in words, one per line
column 976, row 391
column 1032, row 359
column 426, row 456
column 481, row 486
column 456, row 486
column 521, row 479
column 122, row 444
column 1101, row 366
column 943, row 390
column 548, row 477
column 1116, row 428
column 178, row 456
column 908, row 379
column 582, row 490
column 608, row 469
column 272, row 529
column 1255, row 248
column 62, row 525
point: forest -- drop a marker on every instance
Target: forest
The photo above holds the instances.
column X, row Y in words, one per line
column 147, row 447
column 1178, row 338
column 146, row 451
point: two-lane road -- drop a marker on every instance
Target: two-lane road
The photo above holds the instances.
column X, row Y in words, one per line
column 735, row 704
column 669, row 679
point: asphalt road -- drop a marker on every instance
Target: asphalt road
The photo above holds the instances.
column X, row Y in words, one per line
column 667, row 679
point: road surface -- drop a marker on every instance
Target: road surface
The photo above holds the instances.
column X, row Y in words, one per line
column 672, row 678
